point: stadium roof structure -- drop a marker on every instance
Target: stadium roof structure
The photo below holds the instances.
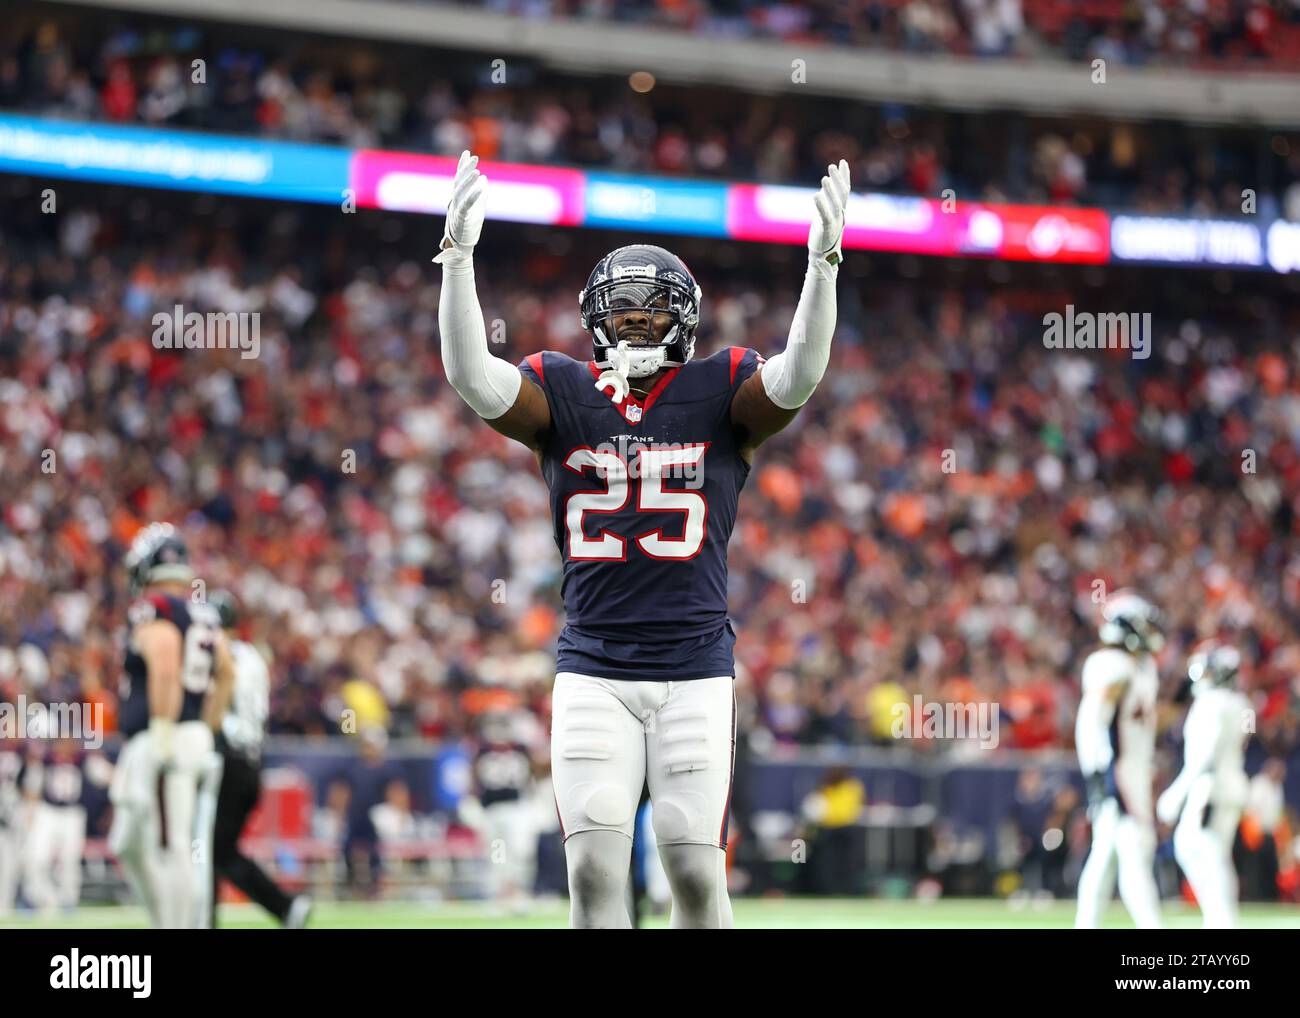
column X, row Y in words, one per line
column 576, row 46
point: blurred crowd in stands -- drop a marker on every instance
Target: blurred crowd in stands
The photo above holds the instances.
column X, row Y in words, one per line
column 1196, row 32
column 939, row 521
column 355, row 94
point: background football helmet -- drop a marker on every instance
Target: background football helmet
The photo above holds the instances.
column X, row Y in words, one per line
column 635, row 278
column 227, row 608
column 158, row 555
column 1132, row 622
column 1213, row 664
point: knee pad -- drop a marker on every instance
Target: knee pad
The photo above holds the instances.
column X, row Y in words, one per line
column 606, row 805
column 674, row 817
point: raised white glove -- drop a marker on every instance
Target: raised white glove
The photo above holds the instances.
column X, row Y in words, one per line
column 465, row 210
column 614, row 377
column 790, row 377
column 832, row 201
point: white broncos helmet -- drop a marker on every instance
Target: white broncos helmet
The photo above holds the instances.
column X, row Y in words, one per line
column 1132, row 622
column 1213, row 664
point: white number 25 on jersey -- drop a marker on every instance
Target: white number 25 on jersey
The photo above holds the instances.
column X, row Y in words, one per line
column 652, row 496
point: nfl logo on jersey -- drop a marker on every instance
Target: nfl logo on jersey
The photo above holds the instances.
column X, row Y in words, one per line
column 634, row 413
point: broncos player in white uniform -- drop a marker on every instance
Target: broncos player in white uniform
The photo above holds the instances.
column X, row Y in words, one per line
column 1207, row 797
column 645, row 449
column 1115, row 735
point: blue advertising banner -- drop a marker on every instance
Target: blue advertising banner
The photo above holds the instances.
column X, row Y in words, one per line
column 263, row 168
column 665, row 206
column 182, row 160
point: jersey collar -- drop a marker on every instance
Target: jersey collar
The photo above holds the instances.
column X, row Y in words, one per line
column 631, row 409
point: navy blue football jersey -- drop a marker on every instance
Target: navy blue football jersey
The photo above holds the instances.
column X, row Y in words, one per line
column 502, row 771
column 643, row 498
column 199, row 626
column 60, row 777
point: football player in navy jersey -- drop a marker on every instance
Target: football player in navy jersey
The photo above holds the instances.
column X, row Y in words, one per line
column 503, row 778
column 645, row 449
column 177, row 686
column 57, row 781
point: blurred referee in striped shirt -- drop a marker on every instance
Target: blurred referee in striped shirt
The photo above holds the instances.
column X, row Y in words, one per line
column 240, row 745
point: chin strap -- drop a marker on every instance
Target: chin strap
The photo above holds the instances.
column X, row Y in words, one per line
column 614, row 377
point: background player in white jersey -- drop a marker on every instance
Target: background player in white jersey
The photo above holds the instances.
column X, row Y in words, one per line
column 178, row 682
column 238, row 785
column 1115, row 734
column 1207, row 797
column 645, row 449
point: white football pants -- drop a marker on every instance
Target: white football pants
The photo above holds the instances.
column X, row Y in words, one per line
column 1119, row 837
column 609, row 738
column 155, row 834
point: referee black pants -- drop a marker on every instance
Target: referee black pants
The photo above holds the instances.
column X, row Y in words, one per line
column 241, row 783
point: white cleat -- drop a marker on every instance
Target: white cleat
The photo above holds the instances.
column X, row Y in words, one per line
column 299, row 912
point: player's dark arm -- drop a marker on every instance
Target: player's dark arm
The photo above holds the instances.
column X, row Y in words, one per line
column 528, row 418
column 755, row 417
column 770, row 398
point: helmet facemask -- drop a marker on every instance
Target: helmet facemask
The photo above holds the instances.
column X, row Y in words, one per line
column 658, row 323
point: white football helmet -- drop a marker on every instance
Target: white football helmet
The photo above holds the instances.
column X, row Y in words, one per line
column 1213, row 664
column 649, row 279
column 1132, row 622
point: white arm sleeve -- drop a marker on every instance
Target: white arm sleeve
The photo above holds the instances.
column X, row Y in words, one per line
column 1090, row 739
column 1092, row 724
column 790, row 377
column 1200, row 737
column 488, row 384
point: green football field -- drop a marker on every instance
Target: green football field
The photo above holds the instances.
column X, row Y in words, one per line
column 767, row 913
